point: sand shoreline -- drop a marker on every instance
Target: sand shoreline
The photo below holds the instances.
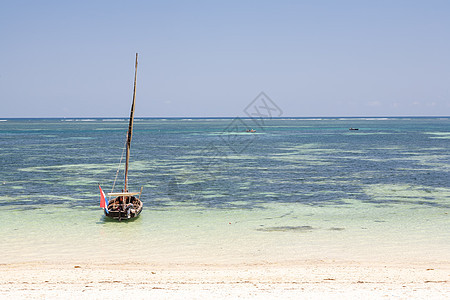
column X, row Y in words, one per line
column 307, row 279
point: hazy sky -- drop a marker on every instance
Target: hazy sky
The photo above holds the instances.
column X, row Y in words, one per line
column 211, row 58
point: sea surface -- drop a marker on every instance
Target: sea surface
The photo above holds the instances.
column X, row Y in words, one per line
column 296, row 189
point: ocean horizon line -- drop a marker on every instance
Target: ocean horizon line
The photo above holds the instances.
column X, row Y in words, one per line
column 223, row 118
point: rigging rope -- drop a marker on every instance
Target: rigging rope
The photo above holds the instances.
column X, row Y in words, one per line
column 118, row 168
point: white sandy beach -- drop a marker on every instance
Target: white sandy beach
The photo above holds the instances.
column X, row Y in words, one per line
column 287, row 280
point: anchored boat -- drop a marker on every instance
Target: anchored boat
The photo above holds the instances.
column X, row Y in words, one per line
column 124, row 205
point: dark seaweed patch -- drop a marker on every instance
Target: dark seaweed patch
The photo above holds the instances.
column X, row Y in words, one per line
column 287, row 228
column 336, row 228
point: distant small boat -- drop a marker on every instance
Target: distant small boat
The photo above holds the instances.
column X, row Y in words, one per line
column 125, row 205
column 251, row 130
column 351, row 128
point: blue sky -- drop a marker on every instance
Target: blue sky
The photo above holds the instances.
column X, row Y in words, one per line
column 211, row 58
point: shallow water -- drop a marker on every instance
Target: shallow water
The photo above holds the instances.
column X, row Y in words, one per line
column 298, row 189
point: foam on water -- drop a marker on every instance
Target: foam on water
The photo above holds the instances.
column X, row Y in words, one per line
column 439, row 135
column 114, row 120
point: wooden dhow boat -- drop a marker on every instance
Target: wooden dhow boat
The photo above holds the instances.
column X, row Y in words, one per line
column 124, row 205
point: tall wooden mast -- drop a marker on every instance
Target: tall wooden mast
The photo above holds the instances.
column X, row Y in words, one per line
column 130, row 127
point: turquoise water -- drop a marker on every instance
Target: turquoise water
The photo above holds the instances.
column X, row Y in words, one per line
column 295, row 189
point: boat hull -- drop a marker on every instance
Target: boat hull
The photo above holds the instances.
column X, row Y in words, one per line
column 124, row 209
